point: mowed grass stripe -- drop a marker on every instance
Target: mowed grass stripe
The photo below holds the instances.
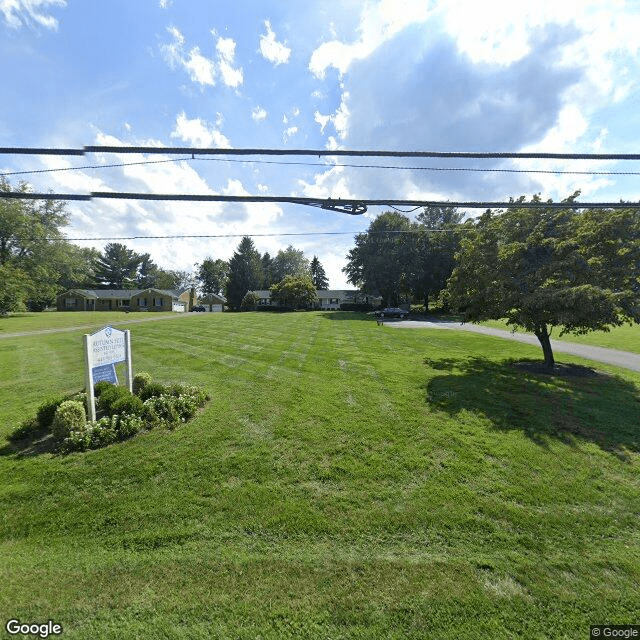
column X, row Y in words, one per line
column 381, row 483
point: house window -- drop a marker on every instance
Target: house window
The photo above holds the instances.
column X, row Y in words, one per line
column 70, row 302
column 143, row 302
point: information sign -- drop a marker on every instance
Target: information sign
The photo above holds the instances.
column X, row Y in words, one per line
column 105, row 373
column 102, row 351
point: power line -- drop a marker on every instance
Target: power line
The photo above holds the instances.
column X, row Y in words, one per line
column 267, row 235
column 346, row 205
column 316, row 152
column 328, row 166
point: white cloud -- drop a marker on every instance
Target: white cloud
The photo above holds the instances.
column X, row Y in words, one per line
column 272, row 50
column 378, row 23
column 323, row 121
column 201, row 69
column 339, row 119
column 196, row 132
column 164, row 4
column 226, row 48
column 19, row 12
column 259, row 114
column 289, row 132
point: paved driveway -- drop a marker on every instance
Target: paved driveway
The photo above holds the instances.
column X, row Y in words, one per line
column 623, row 359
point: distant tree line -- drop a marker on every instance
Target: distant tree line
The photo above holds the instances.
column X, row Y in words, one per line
column 248, row 271
column 540, row 269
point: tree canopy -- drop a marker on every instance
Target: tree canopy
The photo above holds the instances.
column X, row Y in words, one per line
column 289, row 262
column 245, row 272
column 117, row 267
column 547, row 268
column 33, row 250
column 318, row 274
column 294, row 291
column 212, row 276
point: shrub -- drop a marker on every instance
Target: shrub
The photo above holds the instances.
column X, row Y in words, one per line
column 47, row 411
column 160, row 410
column 181, row 389
column 153, row 390
column 100, row 387
column 140, row 381
column 77, row 440
column 128, row 426
column 103, row 432
column 69, row 416
column 110, row 397
column 129, row 404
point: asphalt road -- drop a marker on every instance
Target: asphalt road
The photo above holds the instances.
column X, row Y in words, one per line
column 623, row 359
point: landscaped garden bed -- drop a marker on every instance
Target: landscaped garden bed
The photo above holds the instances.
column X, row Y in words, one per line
column 121, row 414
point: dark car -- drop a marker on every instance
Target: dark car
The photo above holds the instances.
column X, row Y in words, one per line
column 199, row 308
column 391, row 312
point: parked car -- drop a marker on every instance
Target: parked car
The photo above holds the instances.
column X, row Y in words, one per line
column 391, row 312
column 199, row 308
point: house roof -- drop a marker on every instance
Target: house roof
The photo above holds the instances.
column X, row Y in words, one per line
column 118, row 294
column 212, row 298
column 322, row 293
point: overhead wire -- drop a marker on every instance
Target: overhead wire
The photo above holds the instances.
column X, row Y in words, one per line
column 327, row 166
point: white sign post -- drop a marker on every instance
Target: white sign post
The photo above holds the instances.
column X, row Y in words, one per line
column 102, row 350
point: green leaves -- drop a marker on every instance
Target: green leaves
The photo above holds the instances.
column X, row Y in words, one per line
column 578, row 270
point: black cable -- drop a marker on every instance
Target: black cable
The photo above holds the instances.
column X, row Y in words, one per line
column 329, row 166
column 318, row 152
column 322, row 202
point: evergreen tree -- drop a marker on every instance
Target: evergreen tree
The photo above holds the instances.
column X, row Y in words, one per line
column 117, row 267
column 267, row 271
column 245, row 272
column 318, row 275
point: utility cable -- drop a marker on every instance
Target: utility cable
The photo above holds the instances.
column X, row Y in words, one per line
column 315, row 152
column 327, row 166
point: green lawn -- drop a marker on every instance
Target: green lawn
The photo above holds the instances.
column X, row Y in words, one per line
column 624, row 338
column 345, row 481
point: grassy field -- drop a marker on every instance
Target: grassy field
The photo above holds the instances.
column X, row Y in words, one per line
column 625, row 338
column 346, row 481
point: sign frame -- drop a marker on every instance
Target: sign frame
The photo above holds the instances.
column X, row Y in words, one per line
column 106, row 347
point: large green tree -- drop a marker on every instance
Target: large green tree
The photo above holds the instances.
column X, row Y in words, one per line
column 294, row 291
column 33, row 249
column 245, row 272
column 382, row 257
column 289, row 262
column 267, row 271
column 318, row 274
column 546, row 268
column 212, row 275
column 117, row 267
column 432, row 249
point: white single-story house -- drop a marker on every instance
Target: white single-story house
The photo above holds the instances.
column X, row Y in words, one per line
column 328, row 299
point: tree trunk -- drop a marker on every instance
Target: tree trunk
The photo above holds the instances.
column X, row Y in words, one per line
column 426, row 302
column 543, row 336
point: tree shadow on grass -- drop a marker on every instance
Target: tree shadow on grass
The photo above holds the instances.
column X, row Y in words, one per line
column 572, row 404
column 29, row 446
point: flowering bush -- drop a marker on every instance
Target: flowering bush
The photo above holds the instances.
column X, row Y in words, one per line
column 126, row 413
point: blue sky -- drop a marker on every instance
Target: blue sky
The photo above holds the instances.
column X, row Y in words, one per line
column 386, row 74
